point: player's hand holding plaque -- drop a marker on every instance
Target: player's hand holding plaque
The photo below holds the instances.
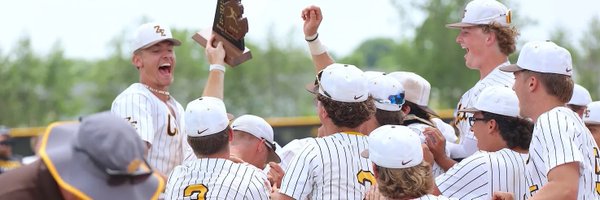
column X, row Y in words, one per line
column 229, row 27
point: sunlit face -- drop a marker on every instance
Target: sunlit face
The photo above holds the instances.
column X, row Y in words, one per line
column 521, row 89
column 156, row 65
column 595, row 129
column 472, row 40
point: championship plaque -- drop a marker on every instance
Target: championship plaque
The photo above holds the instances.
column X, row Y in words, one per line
column 229, row 27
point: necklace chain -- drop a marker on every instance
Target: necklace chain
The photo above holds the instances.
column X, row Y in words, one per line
column 157, row 91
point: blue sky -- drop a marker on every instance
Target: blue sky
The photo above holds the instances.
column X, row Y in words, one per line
column 84, row 28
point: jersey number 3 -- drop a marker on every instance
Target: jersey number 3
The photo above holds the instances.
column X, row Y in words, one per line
column 365, row 176
column 197, row 191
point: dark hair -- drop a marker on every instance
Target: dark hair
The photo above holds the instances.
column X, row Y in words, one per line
column 515, row 131
column 558, row 85
column 385, row 117
column 211, row 144
column 344, row 114
column 417, row 111
column 505, row 35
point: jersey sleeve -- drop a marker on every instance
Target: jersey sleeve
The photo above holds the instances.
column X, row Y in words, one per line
column 468, row 177
column 298, row 180
column 136, row 109
column 557, row 136
column 173, row 183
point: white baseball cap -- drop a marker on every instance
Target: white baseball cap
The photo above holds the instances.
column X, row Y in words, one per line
column 259, row 128
column 152, row 33
column 343, row 83
column 386, row 91
column 205, row 116
column 416, row 88
column 484, row 12
column 498, row 100
column 394, row 146
column 592, row 113
column 542, row 57
column 581, row 96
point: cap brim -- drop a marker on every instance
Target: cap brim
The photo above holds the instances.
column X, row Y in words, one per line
column 429, row 110
column 459, row 25
column 511, row 68
column 312, row 88
column 74, row 171
column 469, row 110
column 273, row 157
column 175, row 42
column 365, row 153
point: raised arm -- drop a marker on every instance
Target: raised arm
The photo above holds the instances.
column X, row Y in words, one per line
column 216, row 75
column 312, row 17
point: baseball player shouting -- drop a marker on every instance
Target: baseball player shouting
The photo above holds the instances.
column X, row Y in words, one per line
column 488, row 38
column 148, row 105
column 212, row 175
column 563, row 159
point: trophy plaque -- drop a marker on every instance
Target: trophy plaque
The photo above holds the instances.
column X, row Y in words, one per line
column 229, row 27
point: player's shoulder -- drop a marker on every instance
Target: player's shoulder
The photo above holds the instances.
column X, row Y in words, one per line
column 556, row 116
column 134, row 90
column 480, row 159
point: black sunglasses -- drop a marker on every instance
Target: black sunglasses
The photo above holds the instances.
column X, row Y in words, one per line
column 473, row 119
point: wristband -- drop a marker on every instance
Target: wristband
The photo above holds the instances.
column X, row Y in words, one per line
column 316, row 48
column 312, row 37
column 216, row 67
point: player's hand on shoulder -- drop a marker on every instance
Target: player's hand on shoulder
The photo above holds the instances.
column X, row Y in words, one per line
column 275, row 174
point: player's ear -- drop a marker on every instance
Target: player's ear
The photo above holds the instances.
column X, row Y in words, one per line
column 230, row 133
column 136, row 60
column 375, row 172
column 533, row 82
column 490, row 38
column 322, row 113
column 492, row 125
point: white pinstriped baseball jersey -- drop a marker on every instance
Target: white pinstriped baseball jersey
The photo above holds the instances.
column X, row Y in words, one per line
column 560, row 137
column 290, row 150
column 481, row 174
column 155, row 124
column 419, row 128
column 467, row 140
column 216, row 178
column 330, row 168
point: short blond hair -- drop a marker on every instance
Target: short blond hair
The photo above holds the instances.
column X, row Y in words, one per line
column 412, row 182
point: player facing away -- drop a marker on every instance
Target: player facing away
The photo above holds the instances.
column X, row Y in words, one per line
column 562, row 162
column 148, row 105
column 404, row 174
column 488, row 38
column 331, row 166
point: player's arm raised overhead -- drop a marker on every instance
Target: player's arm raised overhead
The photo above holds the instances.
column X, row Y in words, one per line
column 216, row 75
column 312, row 17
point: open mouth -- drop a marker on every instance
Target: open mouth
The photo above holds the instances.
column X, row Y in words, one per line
column 165, row 68
column 466, row 49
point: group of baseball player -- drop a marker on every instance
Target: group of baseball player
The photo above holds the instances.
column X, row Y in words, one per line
column 523, row 131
